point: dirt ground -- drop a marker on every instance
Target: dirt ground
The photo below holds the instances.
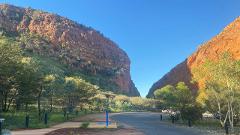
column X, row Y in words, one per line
column 81, row 131
column 90, row 117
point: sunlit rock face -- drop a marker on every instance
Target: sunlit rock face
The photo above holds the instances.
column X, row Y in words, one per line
column 80, row 47
column 227, row 40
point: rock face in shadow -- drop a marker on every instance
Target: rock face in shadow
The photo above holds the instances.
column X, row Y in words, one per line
column 226, row 41
column 81, row 48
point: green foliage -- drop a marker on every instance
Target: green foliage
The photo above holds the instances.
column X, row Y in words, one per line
column 221, row 85
column 167, row 94
column 192, row 112
column 16, row 120
column 78, row 91
column 29, row 81
column 10, row 68
column 27, row 76
column 180, row 98
column 184, row 95
column 85, row 125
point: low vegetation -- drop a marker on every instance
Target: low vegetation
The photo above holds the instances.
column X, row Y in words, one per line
column 85, row 125
column 181, row 99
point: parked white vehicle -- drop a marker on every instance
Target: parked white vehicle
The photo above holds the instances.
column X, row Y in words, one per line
column 170, row 112
column 165, row 111
column 207, row 114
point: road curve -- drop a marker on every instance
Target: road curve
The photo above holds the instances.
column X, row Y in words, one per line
column 150, row 124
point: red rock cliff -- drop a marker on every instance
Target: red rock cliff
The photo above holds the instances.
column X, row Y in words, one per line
column 227, row 40
column 80, row 47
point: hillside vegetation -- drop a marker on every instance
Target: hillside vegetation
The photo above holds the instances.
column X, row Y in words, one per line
column 81, row 50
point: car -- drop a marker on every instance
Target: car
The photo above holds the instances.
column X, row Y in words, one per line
column 207, row 114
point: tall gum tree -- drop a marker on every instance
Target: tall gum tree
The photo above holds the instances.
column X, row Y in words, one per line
column 220, row 79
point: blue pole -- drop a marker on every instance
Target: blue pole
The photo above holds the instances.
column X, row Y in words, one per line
column 106, row 118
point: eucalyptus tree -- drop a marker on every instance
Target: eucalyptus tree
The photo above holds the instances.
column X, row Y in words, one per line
column 99, row 100
column 50, row 84
column 29, row 82
column 78, row 92
column 180, row 98
column 221, row 85
column 167, row 95
column 10, row 65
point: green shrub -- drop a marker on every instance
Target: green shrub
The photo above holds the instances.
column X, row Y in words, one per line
column 192, row 113
column 85, row 125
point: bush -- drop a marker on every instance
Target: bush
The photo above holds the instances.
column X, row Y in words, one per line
column 85, row 125
column 192, row 113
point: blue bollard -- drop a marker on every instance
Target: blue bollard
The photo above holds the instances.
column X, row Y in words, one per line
column 107, row 118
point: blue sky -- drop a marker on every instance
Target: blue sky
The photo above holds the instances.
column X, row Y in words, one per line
column 156, row 34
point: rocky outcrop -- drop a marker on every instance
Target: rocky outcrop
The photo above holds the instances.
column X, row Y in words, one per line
column 80, row 47
column 228, row 40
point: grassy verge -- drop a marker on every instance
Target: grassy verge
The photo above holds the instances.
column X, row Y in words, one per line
column 16, row 120
column 85, row 125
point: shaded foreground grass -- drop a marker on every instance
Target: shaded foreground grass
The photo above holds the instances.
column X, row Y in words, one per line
column 16, row 120
column 212, row 126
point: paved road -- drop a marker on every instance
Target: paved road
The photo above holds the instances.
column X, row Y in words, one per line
column 150, row 124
